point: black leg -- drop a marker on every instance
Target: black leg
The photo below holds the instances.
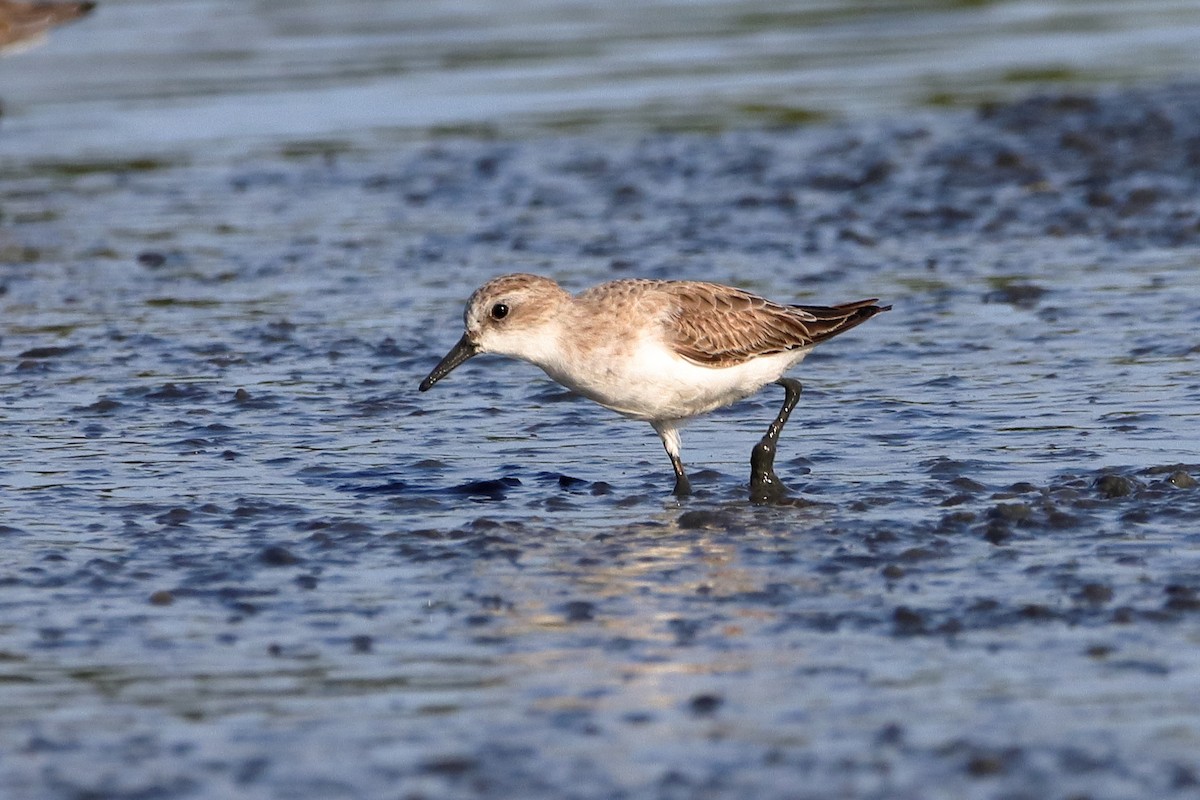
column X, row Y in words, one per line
column 765, row 486
column 668, row 431
column 683, row 487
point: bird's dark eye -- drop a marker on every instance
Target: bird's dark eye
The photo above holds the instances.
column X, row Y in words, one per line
column 499, row 311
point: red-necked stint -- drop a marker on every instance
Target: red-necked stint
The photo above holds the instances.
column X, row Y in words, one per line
column 23, row 24
column 659, row 351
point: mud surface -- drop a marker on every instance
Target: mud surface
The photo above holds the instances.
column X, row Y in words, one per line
column 243, row 557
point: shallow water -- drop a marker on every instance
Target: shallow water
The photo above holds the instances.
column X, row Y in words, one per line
column 244, row 557
column 198, row 76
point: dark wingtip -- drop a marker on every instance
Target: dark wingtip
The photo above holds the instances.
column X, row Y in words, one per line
column 834, row 320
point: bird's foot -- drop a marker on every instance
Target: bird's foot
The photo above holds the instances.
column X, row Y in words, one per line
column 765, row 486
column 683, row 486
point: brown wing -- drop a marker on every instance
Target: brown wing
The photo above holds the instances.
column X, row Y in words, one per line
column 719, row 326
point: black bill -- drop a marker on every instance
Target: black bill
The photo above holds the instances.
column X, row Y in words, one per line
column 457, row 355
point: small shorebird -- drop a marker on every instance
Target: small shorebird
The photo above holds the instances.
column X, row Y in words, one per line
column 659, row 351
column 23, row 24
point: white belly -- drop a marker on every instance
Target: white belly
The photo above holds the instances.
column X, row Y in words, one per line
column 653, row 383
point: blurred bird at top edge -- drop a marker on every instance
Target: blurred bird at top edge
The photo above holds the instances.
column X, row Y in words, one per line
column 24, row 25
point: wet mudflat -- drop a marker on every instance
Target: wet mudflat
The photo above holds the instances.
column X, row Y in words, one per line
column 244, row 557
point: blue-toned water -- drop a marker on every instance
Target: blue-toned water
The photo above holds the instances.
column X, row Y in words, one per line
column 194, row 76
column 244, row 557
